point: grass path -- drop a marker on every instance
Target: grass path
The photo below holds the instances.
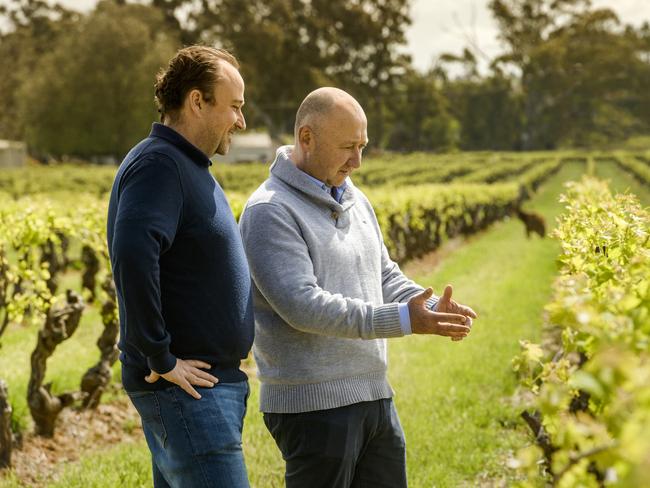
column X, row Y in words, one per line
column 620, row 181
column 451, row 396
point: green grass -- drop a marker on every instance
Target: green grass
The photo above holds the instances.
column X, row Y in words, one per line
column 126, row 465
column 622, row 181
column 452, row 397
column 64, row 369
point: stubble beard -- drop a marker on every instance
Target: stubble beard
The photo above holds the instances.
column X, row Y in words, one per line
column 224, row 144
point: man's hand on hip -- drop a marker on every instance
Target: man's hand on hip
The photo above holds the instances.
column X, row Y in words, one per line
column 185, row 374
column 445, row 321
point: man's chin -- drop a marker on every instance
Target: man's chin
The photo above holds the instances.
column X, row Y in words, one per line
column 222, row 149
column 340, row 180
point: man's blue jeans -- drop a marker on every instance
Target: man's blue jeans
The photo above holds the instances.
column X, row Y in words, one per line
column 195, row 443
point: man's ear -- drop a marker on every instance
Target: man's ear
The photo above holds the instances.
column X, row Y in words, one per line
column 305, row 137
column 195, row 101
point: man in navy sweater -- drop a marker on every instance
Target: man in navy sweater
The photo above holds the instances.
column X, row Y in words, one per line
column 182, row 279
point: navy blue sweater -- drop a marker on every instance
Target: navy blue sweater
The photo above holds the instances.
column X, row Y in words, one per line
column 182, row 279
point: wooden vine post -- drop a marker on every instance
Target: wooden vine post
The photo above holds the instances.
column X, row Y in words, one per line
column 60, row 324
column 91, row 268
column 97, row 378
column 6, row 436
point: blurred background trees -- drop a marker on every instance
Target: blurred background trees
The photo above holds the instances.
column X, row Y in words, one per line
column 570, row 75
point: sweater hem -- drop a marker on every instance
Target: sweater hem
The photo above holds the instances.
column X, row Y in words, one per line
column 284, row 398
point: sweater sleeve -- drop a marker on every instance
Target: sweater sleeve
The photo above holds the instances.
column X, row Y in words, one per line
column 396, row 287
column 283, row 272
column 148, row 213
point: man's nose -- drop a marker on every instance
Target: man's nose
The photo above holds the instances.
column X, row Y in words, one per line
column 241, row 122
column 355, row 160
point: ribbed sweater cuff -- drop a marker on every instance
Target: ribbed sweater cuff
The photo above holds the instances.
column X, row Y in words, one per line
column 386, row 322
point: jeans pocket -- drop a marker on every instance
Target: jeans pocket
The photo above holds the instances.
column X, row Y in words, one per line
column 148, row 406
column 213, row 423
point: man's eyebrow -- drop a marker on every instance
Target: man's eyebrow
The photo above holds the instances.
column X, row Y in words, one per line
column 239, row 101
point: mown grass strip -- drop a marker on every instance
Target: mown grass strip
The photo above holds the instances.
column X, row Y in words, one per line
column 450, row 395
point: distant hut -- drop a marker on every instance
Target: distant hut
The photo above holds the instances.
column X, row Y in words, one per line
column 12, row 153
column 246, row 147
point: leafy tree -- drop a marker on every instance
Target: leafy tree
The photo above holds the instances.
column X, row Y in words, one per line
column 33, row 26
column 580, row 71
column 419, row 116
column 585, row 73
column 92, row 94
column 489, row 111
column 290, row 47
column 362, row 55
column 488, row 108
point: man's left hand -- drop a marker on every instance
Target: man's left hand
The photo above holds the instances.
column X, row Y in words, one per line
column 447, row 305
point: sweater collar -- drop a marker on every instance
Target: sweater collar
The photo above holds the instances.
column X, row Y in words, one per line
column 194, row 153
column 287, row 171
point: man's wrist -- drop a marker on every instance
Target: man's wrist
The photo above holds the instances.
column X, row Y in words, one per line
column 405, row 318
column 162, row 363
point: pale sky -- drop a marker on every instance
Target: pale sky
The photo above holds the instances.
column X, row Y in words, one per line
column 446, row 25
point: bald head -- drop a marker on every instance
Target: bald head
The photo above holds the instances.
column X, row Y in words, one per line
column 324, row 103
column 331, row 133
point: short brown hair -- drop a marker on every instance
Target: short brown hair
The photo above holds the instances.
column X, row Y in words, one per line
column 193, row 67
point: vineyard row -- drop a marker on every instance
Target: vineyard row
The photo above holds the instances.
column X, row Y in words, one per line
column 590, row 378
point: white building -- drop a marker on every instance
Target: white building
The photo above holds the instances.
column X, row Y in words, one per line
column 12, row 153
column 246, row 147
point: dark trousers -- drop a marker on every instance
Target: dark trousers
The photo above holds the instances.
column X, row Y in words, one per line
column 356, row 446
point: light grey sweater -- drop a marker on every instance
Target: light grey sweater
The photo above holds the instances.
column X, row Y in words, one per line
column 326, row 293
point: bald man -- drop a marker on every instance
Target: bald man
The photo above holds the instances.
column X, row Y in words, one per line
column 326, row 297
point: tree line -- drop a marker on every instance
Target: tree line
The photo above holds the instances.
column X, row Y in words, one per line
column 569, row 74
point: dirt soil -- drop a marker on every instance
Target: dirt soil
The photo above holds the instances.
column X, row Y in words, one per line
column 78, row 432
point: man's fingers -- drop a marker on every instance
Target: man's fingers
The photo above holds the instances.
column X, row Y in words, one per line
column 462, row 309
column 189, row 389
column 452, row 330
column 198, row 364
column 152, row 377
column 205, row 375
column 446, row 295
column 195, row 380
column 423, row 296
column 453, row 318
column 467, row 311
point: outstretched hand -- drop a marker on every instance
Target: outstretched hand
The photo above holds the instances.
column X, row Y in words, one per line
column 447, row 305
column 185, row 374
column 443, row 323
